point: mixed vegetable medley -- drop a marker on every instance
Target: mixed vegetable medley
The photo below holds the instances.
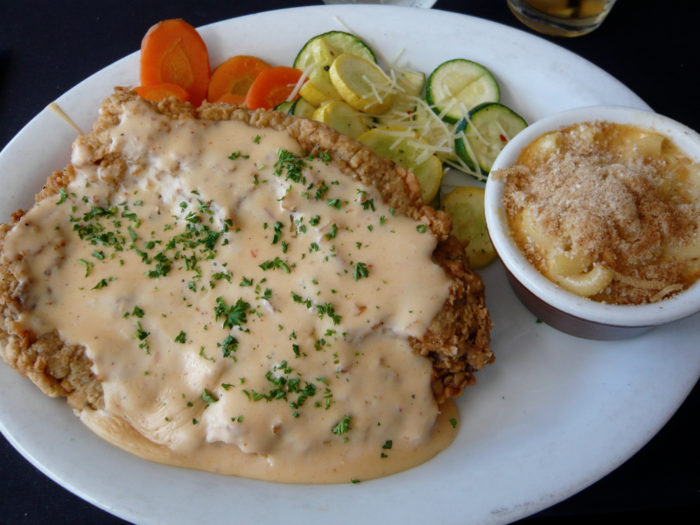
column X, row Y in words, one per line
column 453, row 119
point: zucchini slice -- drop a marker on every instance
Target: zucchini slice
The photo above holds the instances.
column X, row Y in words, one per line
column 323, row 49
column 285, row 107
column 393, row 143
column 342, row 117
column 487, row 129
column 466, row 206
column 459, row 85
column 411, row 81
column 403, row 102
column 301, row 108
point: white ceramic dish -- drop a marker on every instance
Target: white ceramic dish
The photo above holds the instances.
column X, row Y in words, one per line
column 551, row 416
column 583, row 317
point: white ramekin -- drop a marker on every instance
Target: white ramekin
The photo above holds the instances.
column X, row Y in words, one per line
column 560, row 309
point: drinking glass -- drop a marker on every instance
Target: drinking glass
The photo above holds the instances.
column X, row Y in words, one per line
column 561, row 17
column 407, row 3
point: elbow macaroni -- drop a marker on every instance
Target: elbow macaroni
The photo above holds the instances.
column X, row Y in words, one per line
column 550, row 236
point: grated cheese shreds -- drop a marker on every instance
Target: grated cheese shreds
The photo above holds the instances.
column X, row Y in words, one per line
column 428, row 126
column 337, row 19
column 447, row 108
column 470, row 151
column 502, row 131
column 395, row 144
column 375, row 92
column 460, row 165
column 398, row 133
column 300, row 82
column 471, row 126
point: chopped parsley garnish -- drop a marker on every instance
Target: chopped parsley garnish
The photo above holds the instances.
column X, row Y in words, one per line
column 327, row 309
column 229, row 346
column 361, row 271
column 132, row 234
column 256, row 140
column 137, row 312
column 193, row 218
column 332, row 233
column 278, row 232
column 181, row 337
column 284, row 385
column 343, row 427
column 368, row 205
column 387, row 445
column 237, row 154
column 102, row 284
column 222, row 275
column 234, row 315
column 321, row 191
column 334, row 203
column 421, row 228
column 208, row 397
column 453, row 422
column 87, row 265
column 246, row 282
column 314, row 221
column 64, row 196
column 273, row 265
column 141, row 334
column 292, row 164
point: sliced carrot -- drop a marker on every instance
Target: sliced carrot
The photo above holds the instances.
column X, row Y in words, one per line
column 172, row 52
column 161, row 92
column 235, row 76
column 233, row 100
column 272, row 87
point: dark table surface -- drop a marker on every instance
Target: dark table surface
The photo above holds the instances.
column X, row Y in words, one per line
column 46, row 47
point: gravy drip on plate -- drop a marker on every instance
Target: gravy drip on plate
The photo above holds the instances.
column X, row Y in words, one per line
column 241, row 321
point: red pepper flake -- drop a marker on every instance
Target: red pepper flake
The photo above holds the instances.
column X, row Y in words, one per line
column 503, row 139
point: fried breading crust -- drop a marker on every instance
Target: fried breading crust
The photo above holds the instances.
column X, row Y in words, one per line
column 457, row 341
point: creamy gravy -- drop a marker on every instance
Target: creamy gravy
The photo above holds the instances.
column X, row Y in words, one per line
column 240, row 321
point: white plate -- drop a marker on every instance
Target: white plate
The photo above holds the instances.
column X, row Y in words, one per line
column 551, row 416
